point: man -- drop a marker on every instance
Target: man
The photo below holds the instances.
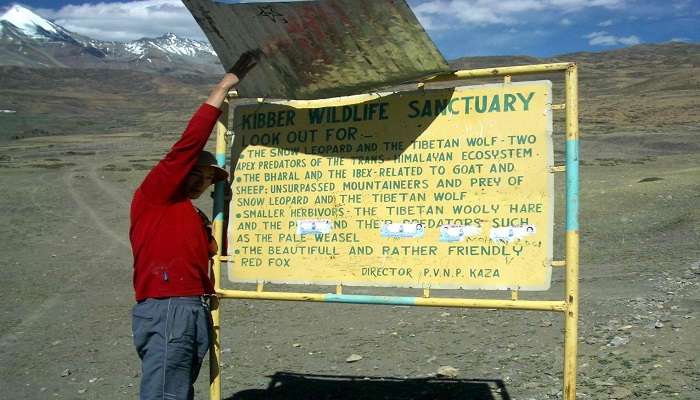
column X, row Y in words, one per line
column 172, row 245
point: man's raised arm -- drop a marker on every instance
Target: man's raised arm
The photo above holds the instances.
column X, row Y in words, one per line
column 164, row 181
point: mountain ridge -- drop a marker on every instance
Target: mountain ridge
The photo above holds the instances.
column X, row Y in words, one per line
column 58, row 87
column 29, row 40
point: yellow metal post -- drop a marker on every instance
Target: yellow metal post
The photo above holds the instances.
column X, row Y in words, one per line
column 218, row 228
column 339, row 289
column 500, row 71
column 215, row 351
column 506, row 304
column 572, row 234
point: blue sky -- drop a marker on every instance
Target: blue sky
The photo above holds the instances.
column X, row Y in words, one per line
column 458, row 27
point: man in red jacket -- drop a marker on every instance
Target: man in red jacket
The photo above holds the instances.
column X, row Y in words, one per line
column 172, row 245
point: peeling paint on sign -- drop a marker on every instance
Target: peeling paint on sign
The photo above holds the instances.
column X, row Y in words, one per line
column 402, row 230
column 511, row 233
column 314, row 227
column 458, row 233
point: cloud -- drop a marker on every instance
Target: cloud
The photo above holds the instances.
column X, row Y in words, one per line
column 575, row 5
column 680, row 40
column 129, row 20
column 124, row 21
column 432, row 11
column 682, row 4
column 603, row 38
column 607, row 22
column 503, row 12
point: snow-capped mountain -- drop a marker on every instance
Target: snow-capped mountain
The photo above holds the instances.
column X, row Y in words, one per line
column 170, row 43
column 168, row 46
column 27, row 39
column 33, row 25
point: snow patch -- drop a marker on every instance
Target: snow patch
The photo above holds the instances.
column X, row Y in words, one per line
column 134, row 48
column 34, row 26
column 172, row 44
column 29, row 23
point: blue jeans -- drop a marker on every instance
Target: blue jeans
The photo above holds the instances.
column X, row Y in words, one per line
column 171, row 336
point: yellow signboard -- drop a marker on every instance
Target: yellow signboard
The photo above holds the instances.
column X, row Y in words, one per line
column 448, row 188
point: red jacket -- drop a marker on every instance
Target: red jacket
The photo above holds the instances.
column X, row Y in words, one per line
column 168, row 239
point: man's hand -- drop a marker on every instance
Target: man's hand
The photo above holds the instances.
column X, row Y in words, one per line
column 228, row 81
column 245, row 63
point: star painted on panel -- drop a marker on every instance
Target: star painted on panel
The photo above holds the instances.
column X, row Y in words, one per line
column 267, row 11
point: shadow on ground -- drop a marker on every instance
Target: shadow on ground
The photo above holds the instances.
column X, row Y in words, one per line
column 291, row 386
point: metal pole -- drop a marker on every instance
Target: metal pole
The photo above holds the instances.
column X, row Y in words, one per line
column 218, row 230
column 215, row 351
column 572, row 233
column 535, row 305
column 500, row 71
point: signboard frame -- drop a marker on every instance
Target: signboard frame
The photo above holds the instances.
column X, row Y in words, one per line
column 412, row 153
column 568, row 306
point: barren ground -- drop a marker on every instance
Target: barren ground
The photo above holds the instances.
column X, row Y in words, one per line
column 65, row 271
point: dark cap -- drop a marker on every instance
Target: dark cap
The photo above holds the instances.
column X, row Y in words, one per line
column 206, row 159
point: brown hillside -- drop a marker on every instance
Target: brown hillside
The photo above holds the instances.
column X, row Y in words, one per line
column 644, row 88
column 66, row 101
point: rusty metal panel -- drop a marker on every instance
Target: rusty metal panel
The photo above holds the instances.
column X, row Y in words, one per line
column 323, row 48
